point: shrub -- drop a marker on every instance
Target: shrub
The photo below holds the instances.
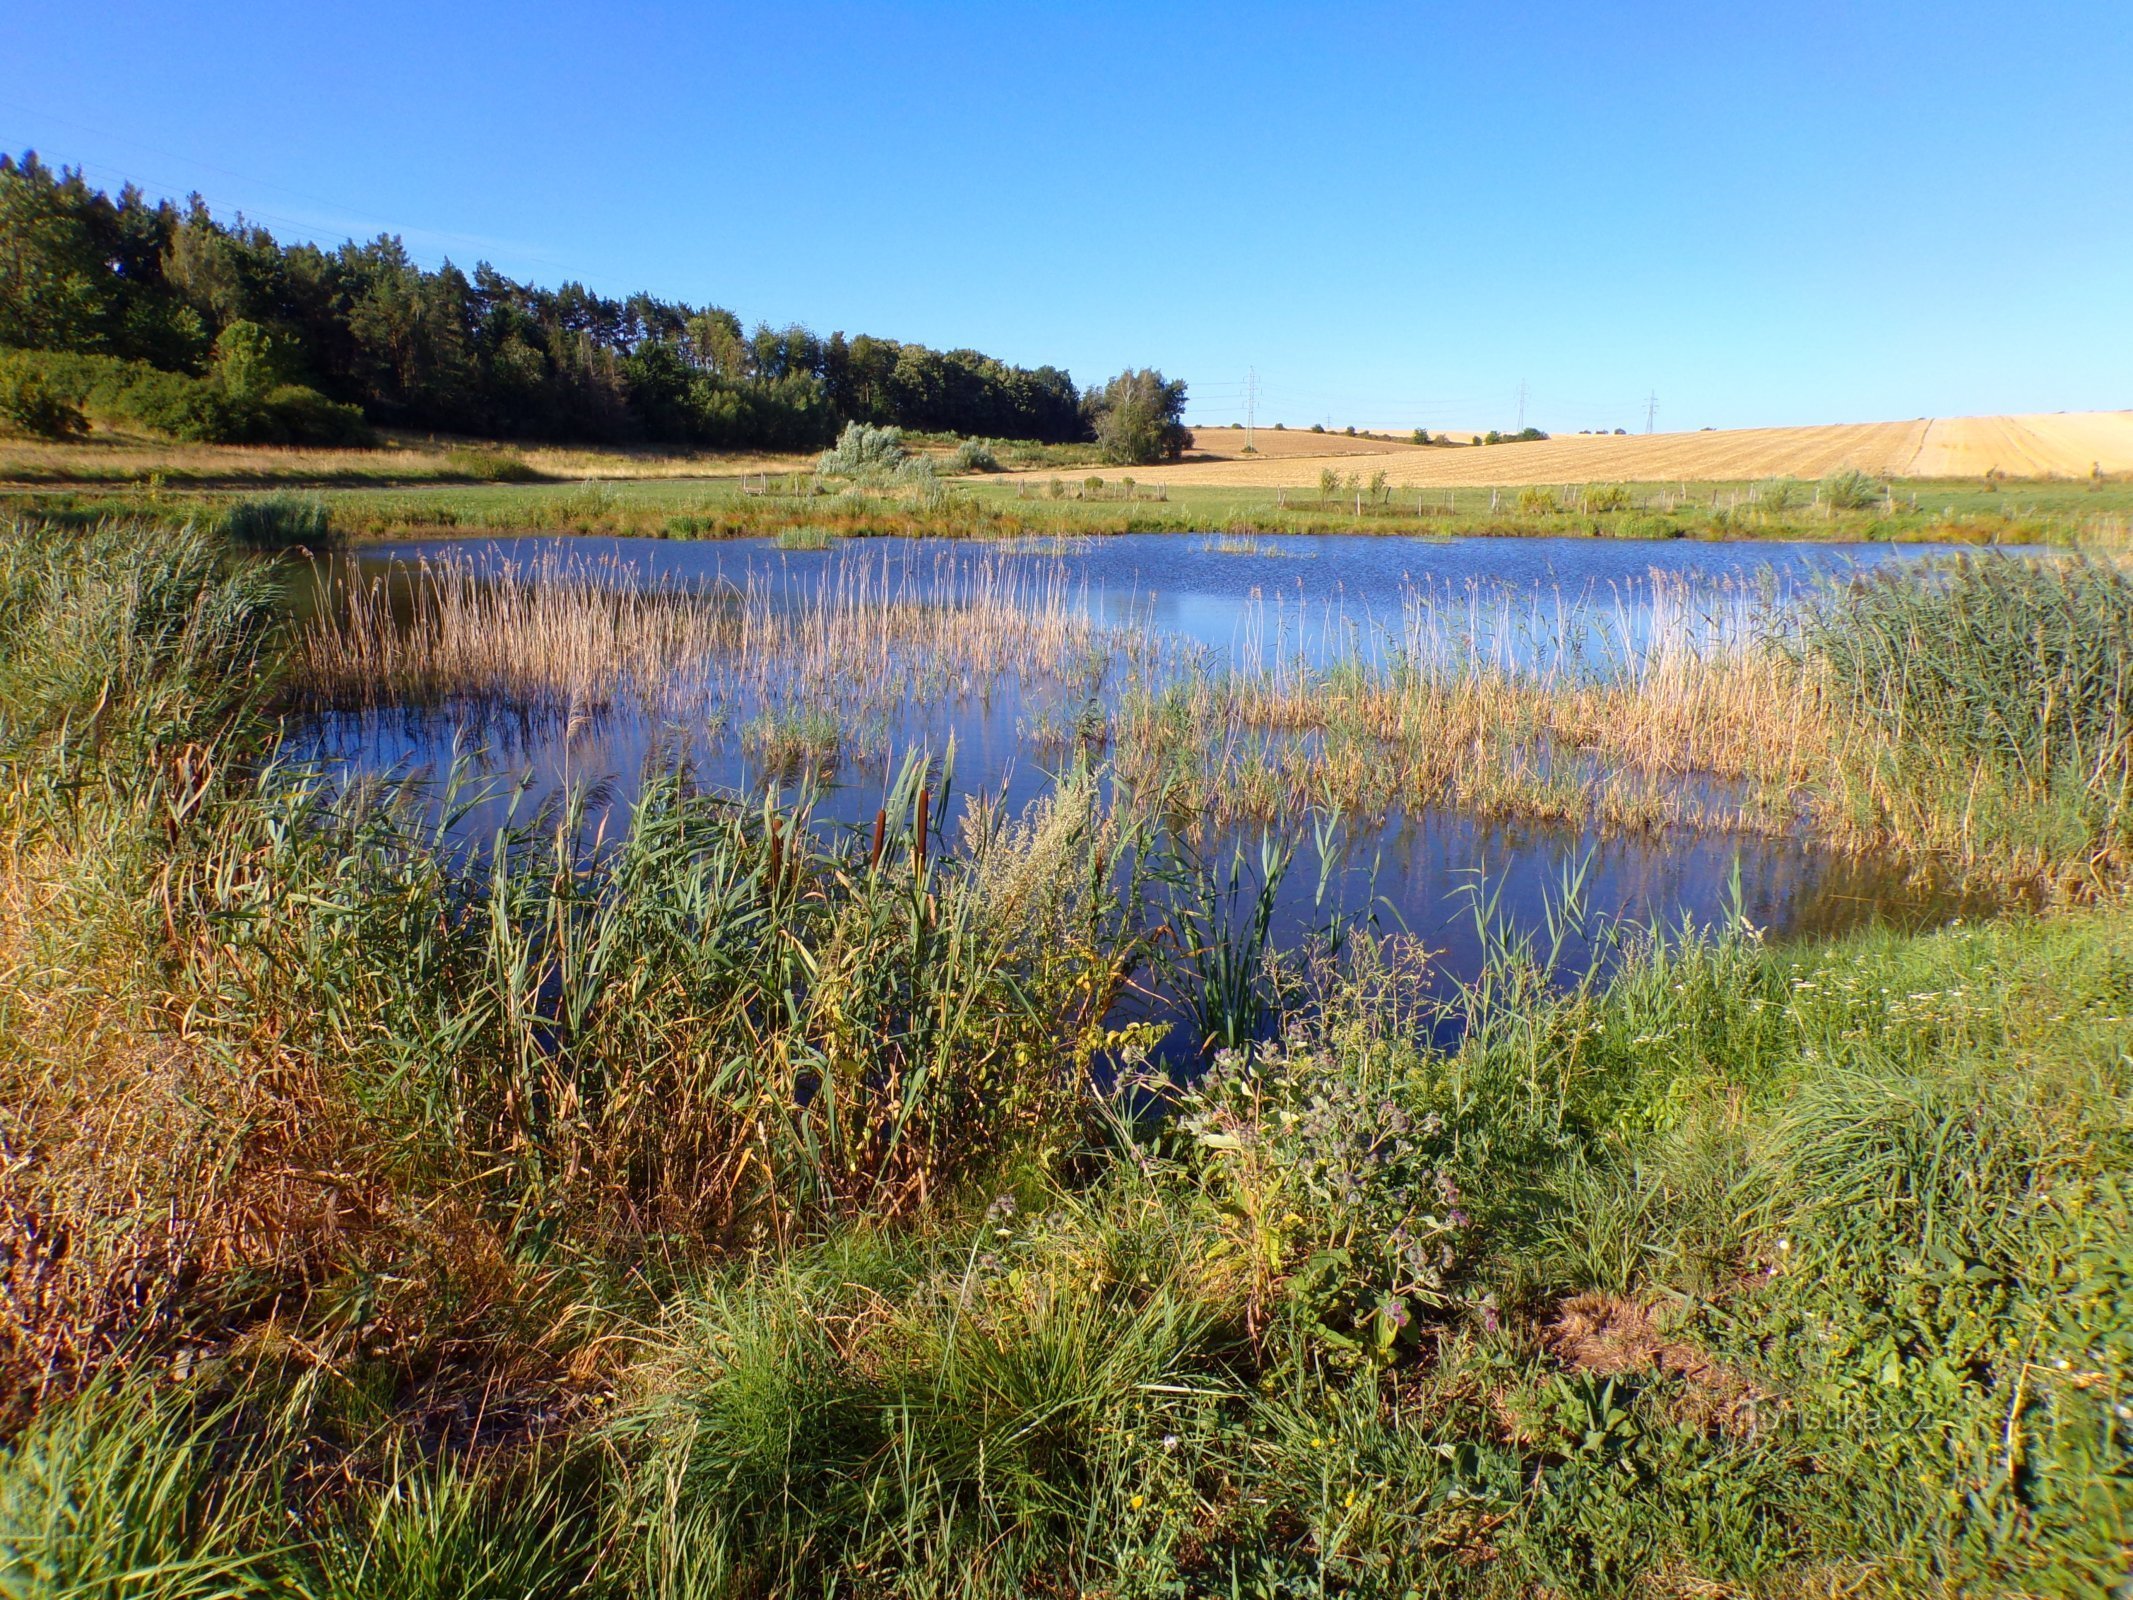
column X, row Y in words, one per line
column 975, row 455
column 1850, row 490
column 191, row 410
column 299, row 415
column 1605, row 497
column 1778, row 494
column 1537, row 502
column 863, row 451
column 486, row 465
column 31, row 403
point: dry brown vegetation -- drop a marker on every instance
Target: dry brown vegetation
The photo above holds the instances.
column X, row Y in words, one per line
column 565, row 635
column 2066, row 446
column 120, row 457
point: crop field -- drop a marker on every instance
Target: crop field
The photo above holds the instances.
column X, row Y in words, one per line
column 120, row 458
column 2061, row 446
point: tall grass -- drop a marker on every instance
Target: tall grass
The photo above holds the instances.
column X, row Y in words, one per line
column 1998, row 684
column 721, row 1206
column 1975, row 714
column 280, row 522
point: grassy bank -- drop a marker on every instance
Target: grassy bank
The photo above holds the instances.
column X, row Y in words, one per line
column 419, row 489
column 730, row 1212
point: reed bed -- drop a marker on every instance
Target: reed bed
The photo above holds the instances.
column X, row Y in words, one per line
column 550, row 634
column 1977, row 714
column 808, row 667
column 730, row 1209
column 1637, row 710
column 1674, row 703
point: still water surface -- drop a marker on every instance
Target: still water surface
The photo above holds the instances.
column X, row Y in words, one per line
column 1212, row 601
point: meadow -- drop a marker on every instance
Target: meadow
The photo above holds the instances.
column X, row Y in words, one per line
column 724, row 1200
column 1729, row 486
column 1080, row 501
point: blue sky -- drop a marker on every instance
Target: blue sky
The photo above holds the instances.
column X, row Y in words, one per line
column 1398, row 215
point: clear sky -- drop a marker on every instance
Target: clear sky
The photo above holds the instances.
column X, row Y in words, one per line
column 1399, row 215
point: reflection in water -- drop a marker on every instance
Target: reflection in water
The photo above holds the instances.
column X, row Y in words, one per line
column 1154, row 603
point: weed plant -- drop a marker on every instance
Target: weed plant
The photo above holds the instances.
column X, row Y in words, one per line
column 726, row 1206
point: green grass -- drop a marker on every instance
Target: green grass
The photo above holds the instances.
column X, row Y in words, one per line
column 1962, row 511
column 727, row 1215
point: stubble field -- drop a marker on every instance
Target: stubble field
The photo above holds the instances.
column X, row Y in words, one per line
column 2066, row 445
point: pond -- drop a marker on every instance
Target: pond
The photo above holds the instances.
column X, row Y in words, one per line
column 1044, row 639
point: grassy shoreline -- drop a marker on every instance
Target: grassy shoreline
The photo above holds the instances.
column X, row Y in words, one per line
column 424, row 489
column 689, row 509
column 733, row 1214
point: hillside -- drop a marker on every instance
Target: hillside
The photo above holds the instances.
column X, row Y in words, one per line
column 2061, row 445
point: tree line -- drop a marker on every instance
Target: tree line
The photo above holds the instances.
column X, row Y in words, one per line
column 159, row 314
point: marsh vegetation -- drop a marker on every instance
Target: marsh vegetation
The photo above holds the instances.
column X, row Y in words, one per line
column 689, row 1188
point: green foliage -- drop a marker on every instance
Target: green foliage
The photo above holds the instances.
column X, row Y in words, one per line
column 443, row 1529
column 121, row 642
column 975, row 455
column 750, row 1162
column 1537, row 502
column 118, row 1494
column 490, row 466
column 2006, row 669
column 864, row 452
column 1777, row 494
column 280, row 522
column 366, row 328
column 993, row 1424
column 1136, row 418
column 249, row 361
column 196, row 410
column 1850, row 490
column 31, row 403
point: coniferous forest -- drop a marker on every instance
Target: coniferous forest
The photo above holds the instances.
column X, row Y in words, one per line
column 158, row 314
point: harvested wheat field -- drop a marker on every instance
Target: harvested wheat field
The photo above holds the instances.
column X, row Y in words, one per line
column 2065, row 445
column 1282, row 444
column 106, row 456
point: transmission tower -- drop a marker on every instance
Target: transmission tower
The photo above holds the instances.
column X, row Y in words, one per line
column 1521, row 405
column 1651, row 410
column 1251, row 409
